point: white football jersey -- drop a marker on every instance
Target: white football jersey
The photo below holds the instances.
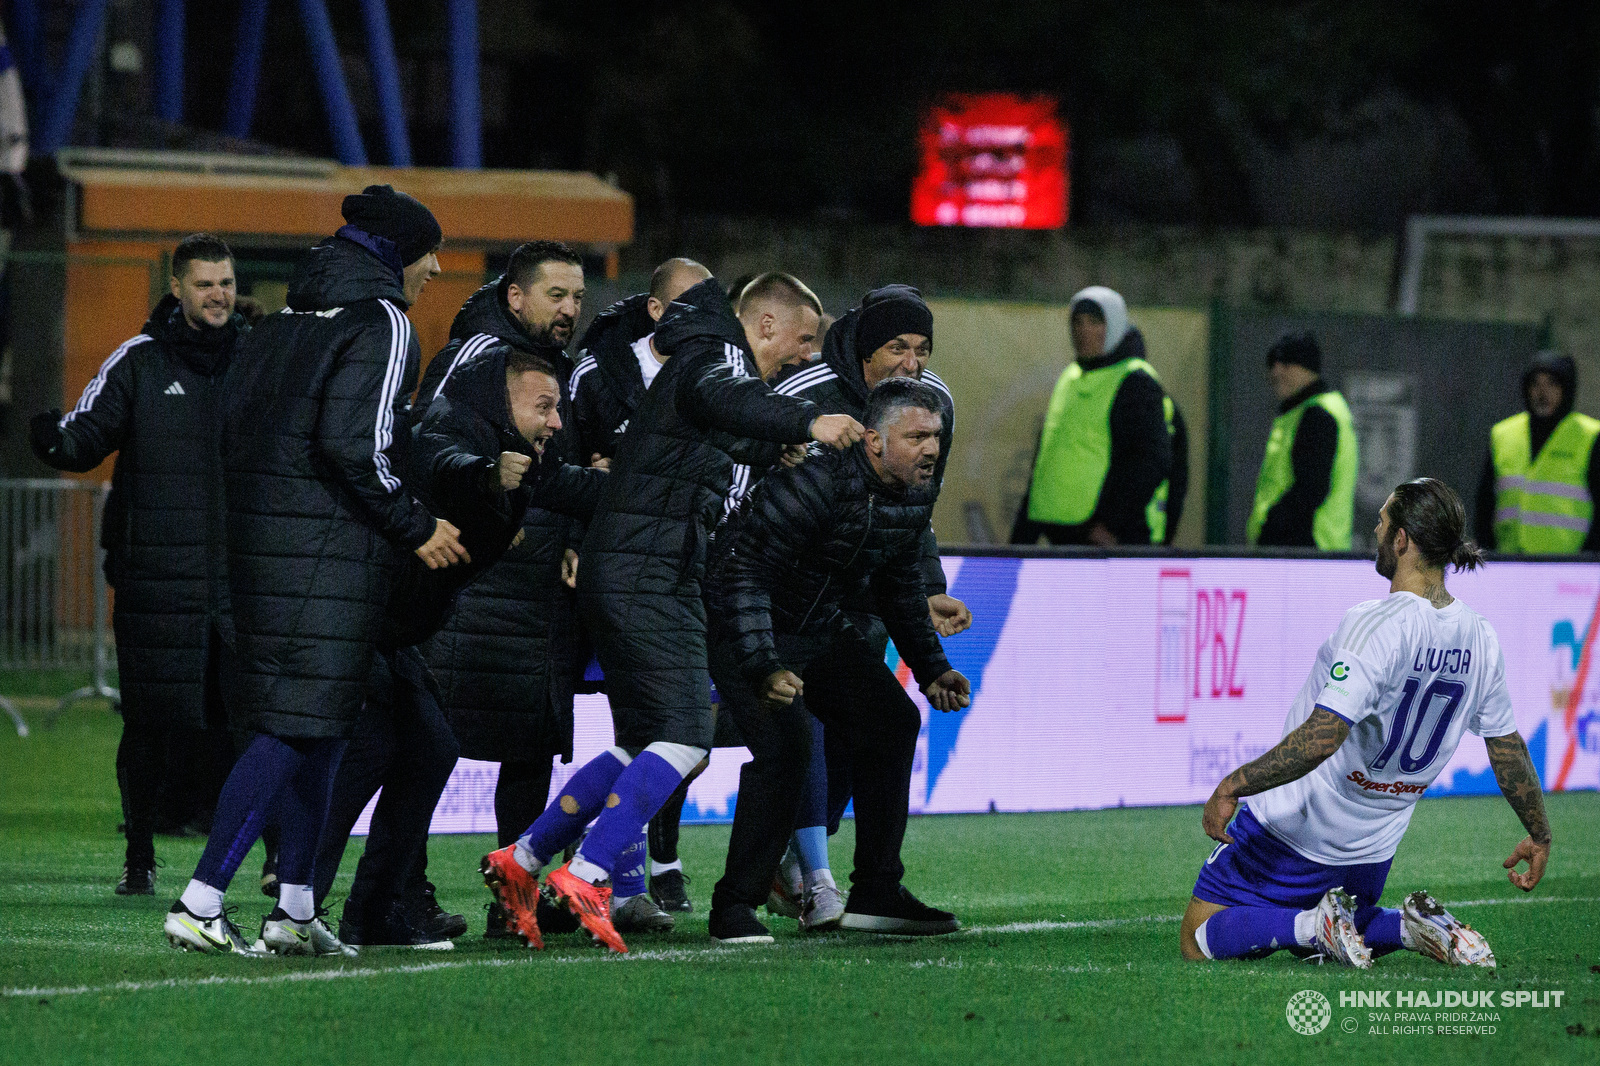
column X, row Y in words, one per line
column 1409, row 678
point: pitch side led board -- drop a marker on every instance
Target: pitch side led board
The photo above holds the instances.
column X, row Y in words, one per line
column 992, row 160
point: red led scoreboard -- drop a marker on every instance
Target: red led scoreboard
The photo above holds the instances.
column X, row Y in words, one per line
column 992, row 159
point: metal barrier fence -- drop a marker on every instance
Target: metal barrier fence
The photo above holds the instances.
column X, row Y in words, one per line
column 53, row 614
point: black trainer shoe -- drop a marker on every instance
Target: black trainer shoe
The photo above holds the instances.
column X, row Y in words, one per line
column 392, row 927
column 738, row 924
column 495, row 927
column 555, row 917
column 872, row 910
column 427, row 915
column 136, row 880
column 668, row 890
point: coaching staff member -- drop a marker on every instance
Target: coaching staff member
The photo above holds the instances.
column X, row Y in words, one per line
column 156, row 402
column 781, row 572
column 315, row 445
column 639, row 586
column 1306, row 493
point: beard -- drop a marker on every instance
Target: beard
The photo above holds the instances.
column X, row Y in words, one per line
column 1388, row 559
column 547, row 337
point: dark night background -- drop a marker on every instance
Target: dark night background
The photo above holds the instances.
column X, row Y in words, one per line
column 1349, row 114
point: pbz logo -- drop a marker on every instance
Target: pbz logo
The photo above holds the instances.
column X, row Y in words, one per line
column 1218, row 635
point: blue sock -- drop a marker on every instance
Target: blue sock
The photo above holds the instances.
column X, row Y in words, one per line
column 628, row 880
column 1380, row 928
column 264, row 768
column 1249, row 932
column 581, row 799
column 641, row 790
column 812, row 844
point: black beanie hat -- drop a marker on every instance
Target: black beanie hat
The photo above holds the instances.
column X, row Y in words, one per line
column 888, row 312
column 1297, row 348
column 397, row 218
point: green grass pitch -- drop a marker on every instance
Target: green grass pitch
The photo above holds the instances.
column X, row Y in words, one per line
column 1069, row 955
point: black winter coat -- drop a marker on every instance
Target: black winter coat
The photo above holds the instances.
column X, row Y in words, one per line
column 492, row 657
column 530, row 658
column 156, row 401
column 607, row 385
column 315, row 448
column 801, row 541
column 836, row 384
column 644, row 556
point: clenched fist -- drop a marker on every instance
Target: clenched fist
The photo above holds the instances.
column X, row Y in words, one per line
column 512, row 466
column 836, row 431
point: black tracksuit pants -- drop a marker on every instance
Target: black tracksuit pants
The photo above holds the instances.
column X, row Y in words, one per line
column 871, row 714
column 404, row 745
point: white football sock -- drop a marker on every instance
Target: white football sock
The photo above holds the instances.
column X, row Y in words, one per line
column 527, row 859
column 202, row 900
column 585, row 870
column 297, row 901
column 1407, row 941
column 1305, row 928
column 659, row 868
column 1200, row 939
column 816, row 878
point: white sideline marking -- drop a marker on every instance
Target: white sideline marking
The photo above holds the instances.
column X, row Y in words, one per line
column 662, row 955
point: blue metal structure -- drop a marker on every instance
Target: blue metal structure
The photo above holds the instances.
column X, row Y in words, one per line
column 53, row 94
column 249, row 42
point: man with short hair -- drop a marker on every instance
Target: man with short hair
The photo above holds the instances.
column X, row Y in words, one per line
column 157, row 403
column 639, row 585
column 890, row 335
column 618, row 361
column 1304, row 863
column 1541, row 479
column 783, row 571
column 1105, row 459
column 1306, row 493
column 315, row 453
column 508, row 659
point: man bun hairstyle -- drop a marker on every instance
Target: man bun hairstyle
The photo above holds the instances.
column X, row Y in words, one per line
column 199, row 247
column 529, row 257
column 893, row 395
column 1432, row 515
column 785, row 289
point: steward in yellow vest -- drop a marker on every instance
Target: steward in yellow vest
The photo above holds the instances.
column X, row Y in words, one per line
column 1305, row 494
column 1537, row 492
column 1101, row 474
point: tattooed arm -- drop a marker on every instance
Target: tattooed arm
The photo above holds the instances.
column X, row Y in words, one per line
column 1519, row 781
column 1295, row 755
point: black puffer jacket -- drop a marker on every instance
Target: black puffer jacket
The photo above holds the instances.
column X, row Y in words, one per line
column 607, row 385
column 494, row 657
column 157, row 402
column 315, row 449
column 707, row 411
column 801, row 541
column 836, row 384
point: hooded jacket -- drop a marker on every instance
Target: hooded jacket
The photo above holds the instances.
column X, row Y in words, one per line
column 1141, row 444
column 805, row 537
column 156, row 402
column 1564, row 370
column 537, row 644
column 837, row 384
column 500, row 685
column 315, row 450
column 607, row 385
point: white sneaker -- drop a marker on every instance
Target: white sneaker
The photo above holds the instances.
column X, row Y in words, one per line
column 1438, row 934
column 1337, row 938
column 211, row 936
column 823, row 909
column 324, row 942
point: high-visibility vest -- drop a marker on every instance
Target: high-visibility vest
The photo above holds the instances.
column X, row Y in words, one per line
column 1330, row 526
column 1541, row 503
column 1075, row 449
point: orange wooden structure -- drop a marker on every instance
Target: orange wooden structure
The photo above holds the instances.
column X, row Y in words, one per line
column 131, row 208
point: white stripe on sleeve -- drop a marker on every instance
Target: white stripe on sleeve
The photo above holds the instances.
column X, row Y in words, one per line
column 475, row 344
column 383, row 429
column 97, row 384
